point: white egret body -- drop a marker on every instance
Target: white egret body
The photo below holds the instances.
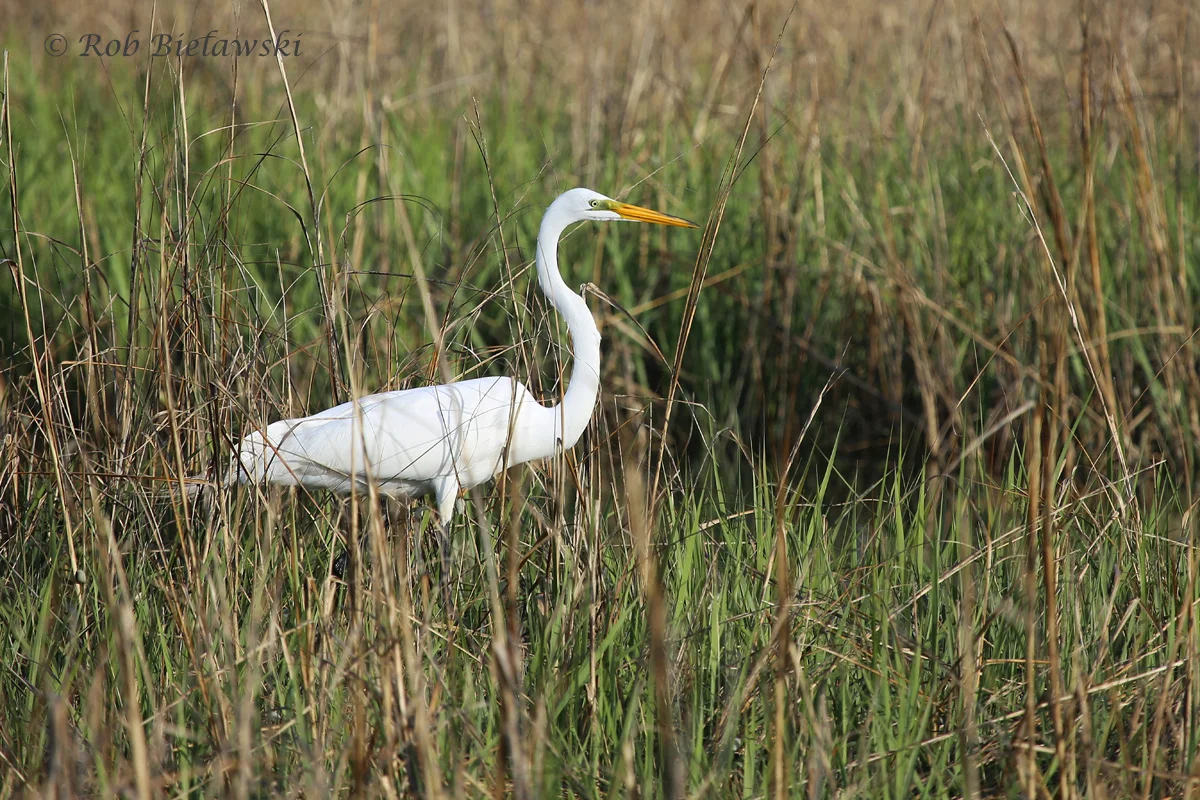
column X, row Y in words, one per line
column 441, row 439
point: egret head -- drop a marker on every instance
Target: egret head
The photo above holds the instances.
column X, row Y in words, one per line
column 584, row 204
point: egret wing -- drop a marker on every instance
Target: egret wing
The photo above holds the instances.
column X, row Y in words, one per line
column 410, row 439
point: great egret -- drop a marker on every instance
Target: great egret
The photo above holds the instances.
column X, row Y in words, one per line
column 442, row 439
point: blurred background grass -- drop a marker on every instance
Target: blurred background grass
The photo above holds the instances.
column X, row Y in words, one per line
column 1010, row 425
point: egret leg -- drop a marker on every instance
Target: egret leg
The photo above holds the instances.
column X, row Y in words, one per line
column 341, row 564
column 447, row 494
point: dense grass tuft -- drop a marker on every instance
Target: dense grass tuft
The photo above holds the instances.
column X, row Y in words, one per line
column 890, row 492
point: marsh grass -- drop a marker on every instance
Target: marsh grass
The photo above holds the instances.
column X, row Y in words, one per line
column 890, row 489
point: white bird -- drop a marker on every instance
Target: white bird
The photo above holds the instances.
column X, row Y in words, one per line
column 442, row 439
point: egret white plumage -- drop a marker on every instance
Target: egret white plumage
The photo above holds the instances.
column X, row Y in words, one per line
column 442, row 439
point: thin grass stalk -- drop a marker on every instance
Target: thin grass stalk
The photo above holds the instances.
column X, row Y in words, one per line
column 1066, row 253
column 506, row 657
column 1125, row 500
column 1192, row 711
column 41, row 380
column 1091, row 237
column 730, row 174
column 670, row 761
column 92, row 342
column 968, row 663
column 1183, row 622
column 1187, row 307
column 783, row 614
column 1058, row 216
column 315, row 243
column 1046, row 524
column 513, row 663
column 129, row 655
column 1028, row 771
column 166, row 281
column 126, row 396
column 783, row 600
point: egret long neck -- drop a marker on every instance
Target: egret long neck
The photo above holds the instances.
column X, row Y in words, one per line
column 575, row 411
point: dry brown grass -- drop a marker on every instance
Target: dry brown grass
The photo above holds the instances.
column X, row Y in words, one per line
column 961, row 231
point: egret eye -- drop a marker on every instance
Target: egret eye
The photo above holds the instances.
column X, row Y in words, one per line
column 594, row 203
